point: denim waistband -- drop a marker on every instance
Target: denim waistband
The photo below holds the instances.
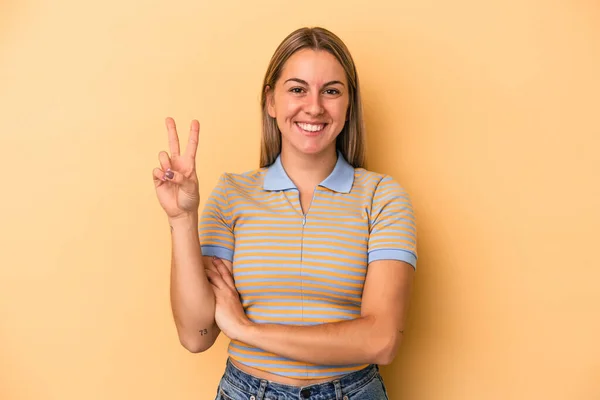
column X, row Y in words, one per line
column 326, row 390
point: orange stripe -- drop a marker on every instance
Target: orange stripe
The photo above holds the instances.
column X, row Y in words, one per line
column 288, row 287
column 313, row 232
column 240, row 280
column 341, row 369
column 294, row 243
column 244, row 268
column 297, row 320
column 285, row 304
column 276, row 362
column 336, row 293
column 306, row 296
column 257, row 352
column 303, row 312
column 313, row 247
column 245, row 237
column 305, row 262
column 386, row 240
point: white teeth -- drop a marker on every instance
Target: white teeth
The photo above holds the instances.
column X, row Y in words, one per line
column 311, row 127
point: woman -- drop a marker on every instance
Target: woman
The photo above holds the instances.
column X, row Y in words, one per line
column 308, row 260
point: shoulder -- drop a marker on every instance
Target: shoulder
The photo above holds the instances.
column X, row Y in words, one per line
column 242, row 182
column 377, row 184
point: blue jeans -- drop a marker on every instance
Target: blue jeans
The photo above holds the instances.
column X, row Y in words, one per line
column 365, row 384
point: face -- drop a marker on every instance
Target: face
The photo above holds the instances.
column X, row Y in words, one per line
column 310, row 102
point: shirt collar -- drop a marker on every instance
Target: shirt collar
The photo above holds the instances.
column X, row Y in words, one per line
column 340, row 180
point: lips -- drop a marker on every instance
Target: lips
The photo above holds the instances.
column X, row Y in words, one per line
column 311, row 128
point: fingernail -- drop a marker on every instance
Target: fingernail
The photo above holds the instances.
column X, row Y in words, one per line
column 169, row 174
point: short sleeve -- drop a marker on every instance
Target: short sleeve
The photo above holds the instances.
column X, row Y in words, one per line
column 392, row 226
column 215, row 230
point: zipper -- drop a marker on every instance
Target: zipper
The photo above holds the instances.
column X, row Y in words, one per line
column 302, row 266
column 304, row 214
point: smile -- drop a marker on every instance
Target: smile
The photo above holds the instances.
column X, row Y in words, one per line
column 310, row 127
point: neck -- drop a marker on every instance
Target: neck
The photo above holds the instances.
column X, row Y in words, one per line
column 307, row 171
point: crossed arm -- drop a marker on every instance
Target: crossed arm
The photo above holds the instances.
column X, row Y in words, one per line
column 372, row 338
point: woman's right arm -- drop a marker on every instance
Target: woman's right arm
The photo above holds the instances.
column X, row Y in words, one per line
column 177, row 189
column 192, row 297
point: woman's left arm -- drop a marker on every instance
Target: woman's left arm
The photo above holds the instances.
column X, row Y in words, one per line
column 373, row 338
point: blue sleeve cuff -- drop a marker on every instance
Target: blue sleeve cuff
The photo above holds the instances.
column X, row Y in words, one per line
column 394, row 254
column 218, row 251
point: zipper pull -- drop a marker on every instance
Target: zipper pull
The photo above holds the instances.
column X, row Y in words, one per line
column 304, row 220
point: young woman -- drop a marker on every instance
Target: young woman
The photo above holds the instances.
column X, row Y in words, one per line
column 306, row 263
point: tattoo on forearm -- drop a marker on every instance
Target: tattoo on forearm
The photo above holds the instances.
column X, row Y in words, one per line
column 203, row 332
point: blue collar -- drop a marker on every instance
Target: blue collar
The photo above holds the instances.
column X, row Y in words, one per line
column 340, row 180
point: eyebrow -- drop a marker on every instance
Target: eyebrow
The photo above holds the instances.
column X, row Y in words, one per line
column 303, row 82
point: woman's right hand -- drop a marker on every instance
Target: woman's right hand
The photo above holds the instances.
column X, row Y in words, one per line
column 176, row 182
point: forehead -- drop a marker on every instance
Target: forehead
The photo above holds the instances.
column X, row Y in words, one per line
column 314, row 67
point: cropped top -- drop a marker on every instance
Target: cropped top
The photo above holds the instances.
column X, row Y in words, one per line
column 303, row 269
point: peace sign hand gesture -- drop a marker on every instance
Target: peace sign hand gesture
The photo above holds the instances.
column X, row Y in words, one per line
column 176, row 182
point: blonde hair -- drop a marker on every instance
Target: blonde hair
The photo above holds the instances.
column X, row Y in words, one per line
column 351, row 140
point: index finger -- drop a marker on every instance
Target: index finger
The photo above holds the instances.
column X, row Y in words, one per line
column 192, row 145
column 173, row 138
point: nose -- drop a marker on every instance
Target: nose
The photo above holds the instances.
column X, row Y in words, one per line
column 314, row 104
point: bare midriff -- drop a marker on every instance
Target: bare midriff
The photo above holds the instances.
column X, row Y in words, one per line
column 284, row 380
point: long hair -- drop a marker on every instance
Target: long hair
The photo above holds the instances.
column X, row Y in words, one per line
column 351, row 140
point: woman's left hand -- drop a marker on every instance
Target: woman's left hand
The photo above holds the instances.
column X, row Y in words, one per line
column 229, row 313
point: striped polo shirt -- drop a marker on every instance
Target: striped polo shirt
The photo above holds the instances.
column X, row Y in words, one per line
column 303, row 269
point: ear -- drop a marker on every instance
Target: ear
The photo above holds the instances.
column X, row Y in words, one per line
column 270, row 101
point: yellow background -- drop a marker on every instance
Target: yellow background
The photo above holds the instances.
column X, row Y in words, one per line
column 487, row 112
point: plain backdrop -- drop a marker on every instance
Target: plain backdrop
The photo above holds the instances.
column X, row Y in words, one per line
column 486, row 112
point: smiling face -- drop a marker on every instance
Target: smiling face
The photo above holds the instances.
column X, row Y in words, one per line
column 310, row 103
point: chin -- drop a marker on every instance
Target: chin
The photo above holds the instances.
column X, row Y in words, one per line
column 312, row 149
column 310, row 146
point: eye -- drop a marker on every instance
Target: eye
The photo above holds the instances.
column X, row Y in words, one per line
column 297, row 90
column 332, row 92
